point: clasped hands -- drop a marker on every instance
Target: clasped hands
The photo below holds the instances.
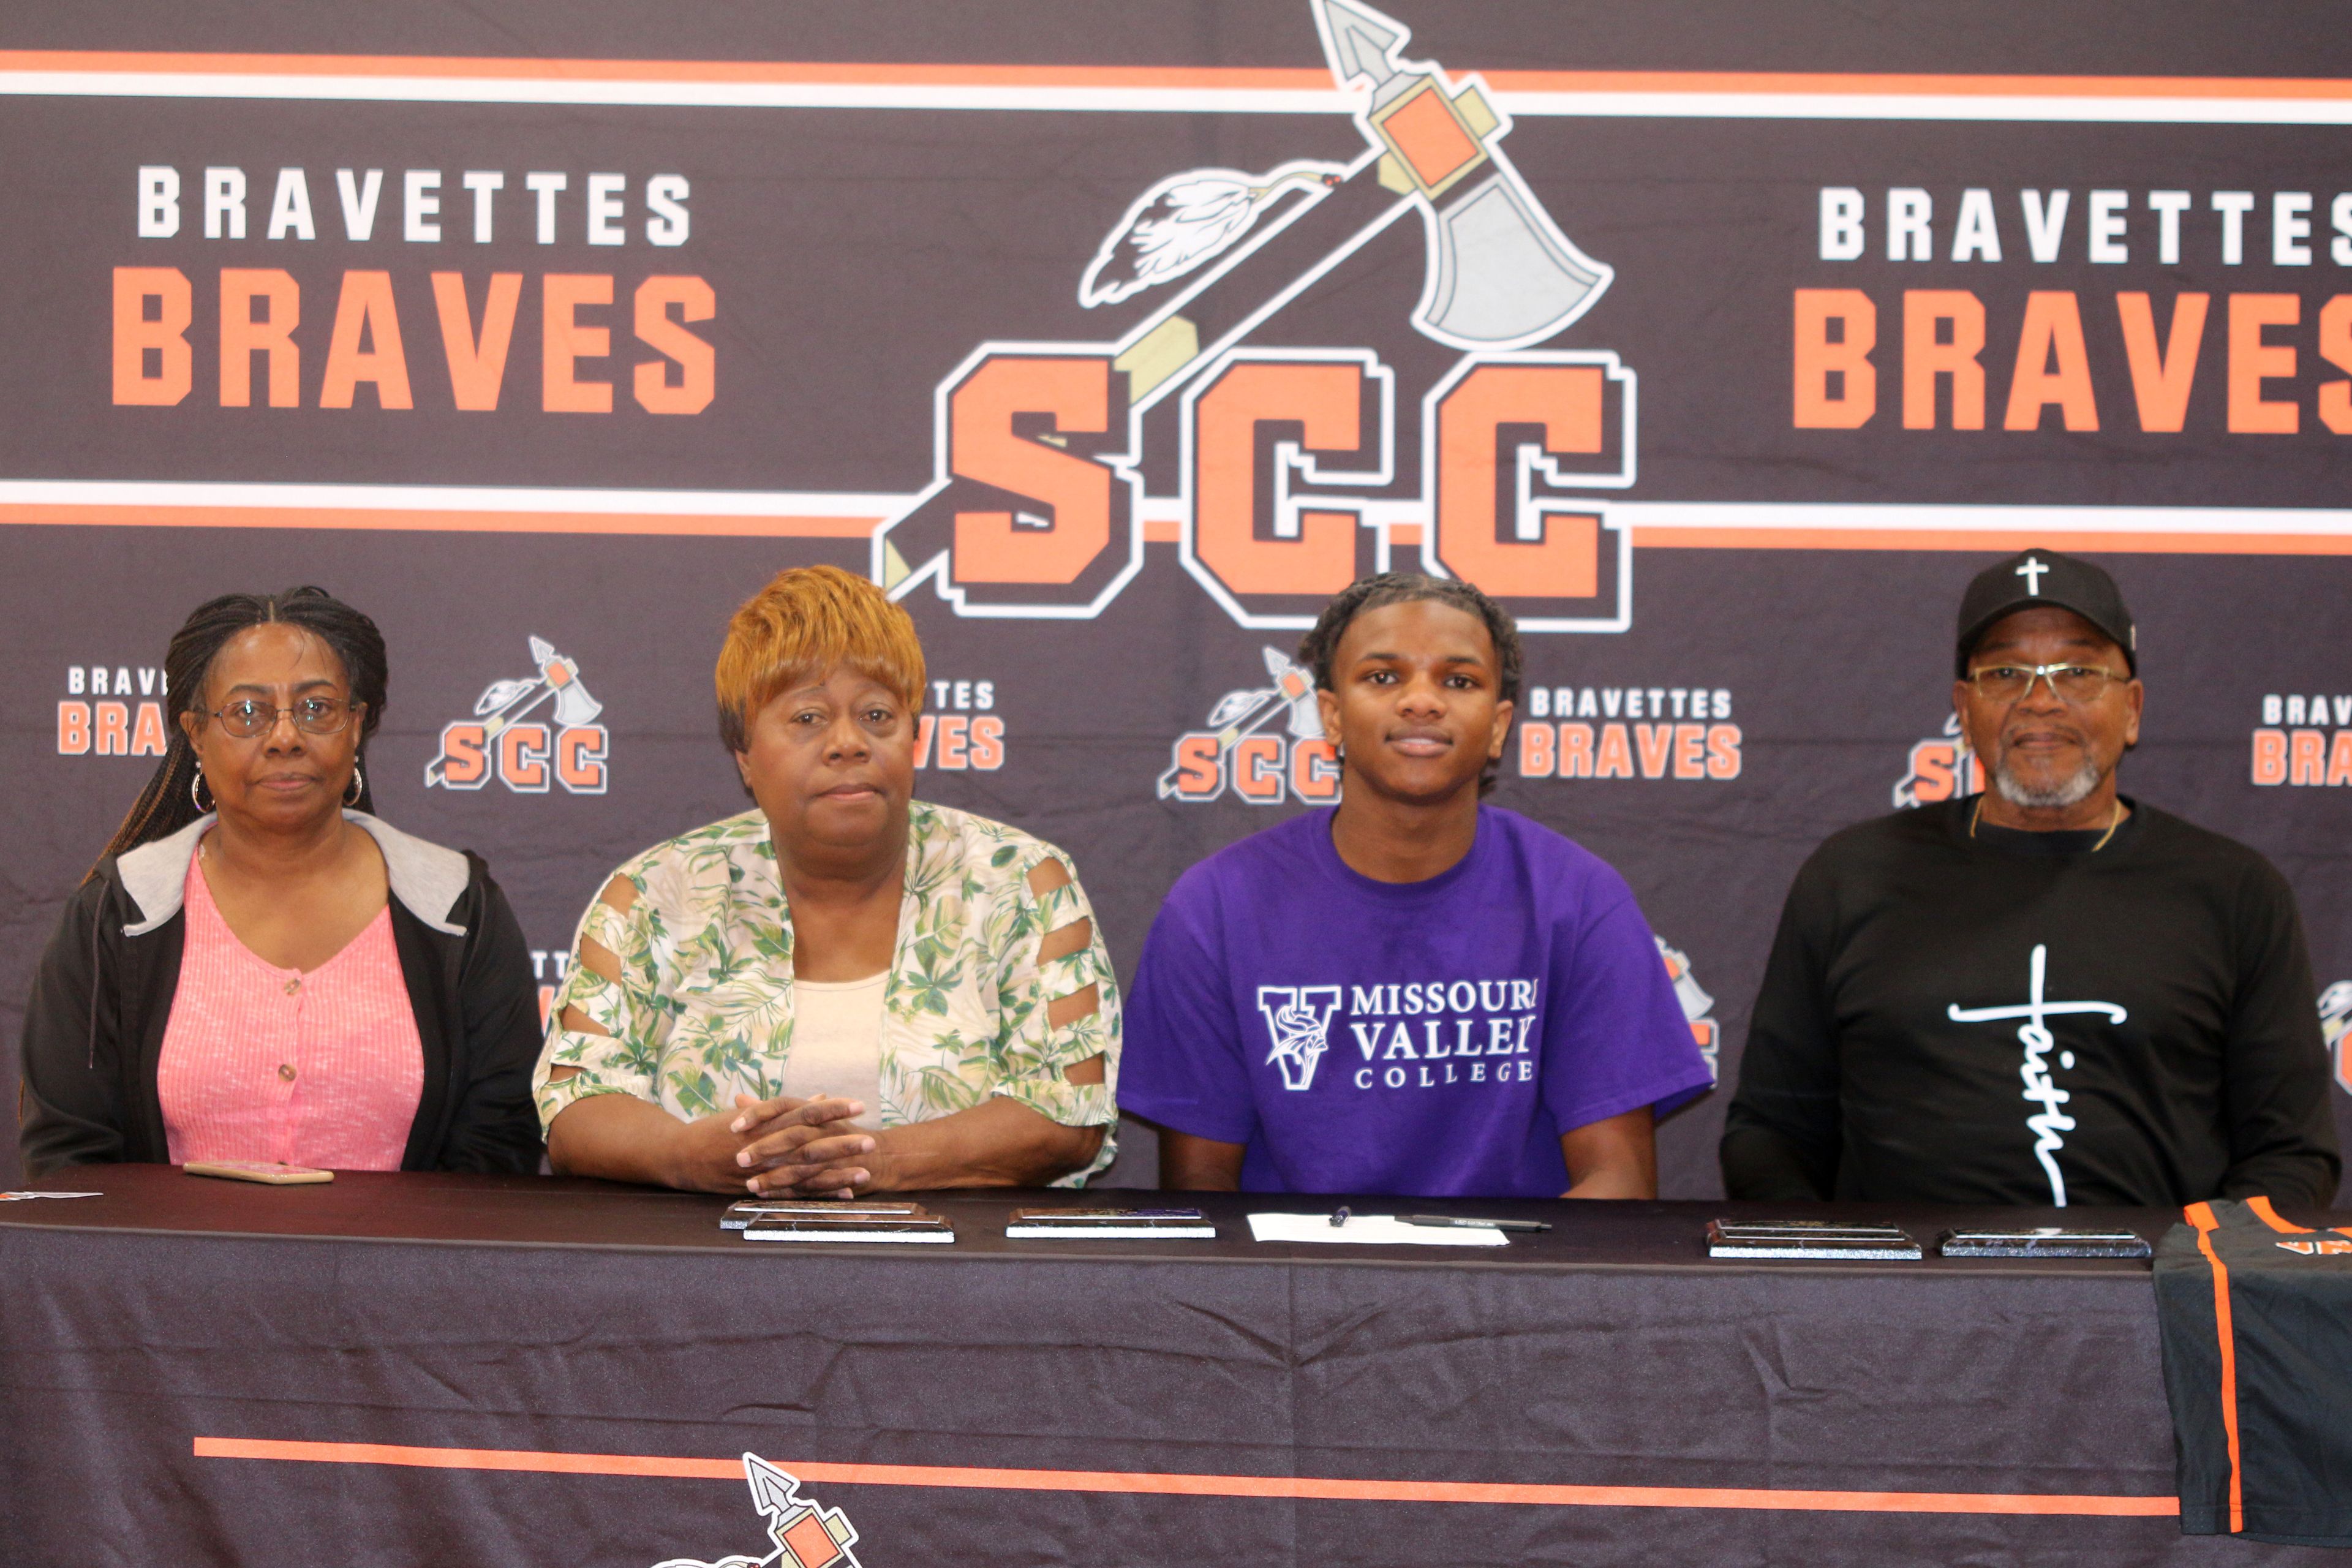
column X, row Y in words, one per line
column 783, row 1148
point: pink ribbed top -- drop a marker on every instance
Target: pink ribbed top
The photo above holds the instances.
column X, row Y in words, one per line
column 262, row 1063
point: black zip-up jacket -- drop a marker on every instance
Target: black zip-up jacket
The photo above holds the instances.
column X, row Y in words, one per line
column 101, row 999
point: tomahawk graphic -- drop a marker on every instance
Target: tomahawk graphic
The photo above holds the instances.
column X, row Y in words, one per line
column 1498, row 274
column 806, row 1536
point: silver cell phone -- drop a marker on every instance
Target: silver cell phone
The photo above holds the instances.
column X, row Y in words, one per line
column 1110, row 1224
column 851, row 1227
column 744, row 1211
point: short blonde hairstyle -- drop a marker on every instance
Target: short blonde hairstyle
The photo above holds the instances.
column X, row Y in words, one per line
column 806, row 621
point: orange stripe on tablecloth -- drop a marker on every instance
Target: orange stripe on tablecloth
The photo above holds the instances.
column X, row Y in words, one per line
column 1982, row 540
column 1310, row 1487
column 436, row 521
column 2201, row 1216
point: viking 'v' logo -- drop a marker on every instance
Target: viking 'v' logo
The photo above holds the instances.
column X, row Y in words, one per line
column 1282, row 473
column 1298, row 1019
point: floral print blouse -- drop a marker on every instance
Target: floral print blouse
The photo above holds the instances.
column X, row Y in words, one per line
column 704, row 1008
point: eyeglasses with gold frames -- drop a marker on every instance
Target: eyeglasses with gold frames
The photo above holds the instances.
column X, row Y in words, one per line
column 312, row 716
column 2078, row 684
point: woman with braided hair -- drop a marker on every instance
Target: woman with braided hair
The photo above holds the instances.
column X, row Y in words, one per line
column 258, row 968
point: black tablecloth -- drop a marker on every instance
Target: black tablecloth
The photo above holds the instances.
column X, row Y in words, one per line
column 454, row 1370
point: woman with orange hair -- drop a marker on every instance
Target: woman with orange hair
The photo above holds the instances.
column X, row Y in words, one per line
column 844, row 990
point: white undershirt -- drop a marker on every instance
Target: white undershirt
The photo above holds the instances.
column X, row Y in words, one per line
column 837, row 1042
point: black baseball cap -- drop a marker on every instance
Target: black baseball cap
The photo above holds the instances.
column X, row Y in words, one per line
column 2032, row 578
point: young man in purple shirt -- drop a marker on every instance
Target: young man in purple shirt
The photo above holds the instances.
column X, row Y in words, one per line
column 1412, row 993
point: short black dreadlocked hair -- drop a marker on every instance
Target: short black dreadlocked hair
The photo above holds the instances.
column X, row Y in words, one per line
column 1320, row 645
column 165, row 805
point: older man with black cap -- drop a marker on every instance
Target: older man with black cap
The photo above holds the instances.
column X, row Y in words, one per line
column 2045, row 994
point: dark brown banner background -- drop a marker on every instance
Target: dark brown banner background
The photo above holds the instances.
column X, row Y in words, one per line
column 857, row 255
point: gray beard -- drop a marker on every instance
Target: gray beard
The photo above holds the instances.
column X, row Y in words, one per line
column 2071, row 791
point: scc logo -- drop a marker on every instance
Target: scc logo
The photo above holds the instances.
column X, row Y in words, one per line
column 507, row 739
column 1240, row 754
column 1282, row 474
column 1942, row 766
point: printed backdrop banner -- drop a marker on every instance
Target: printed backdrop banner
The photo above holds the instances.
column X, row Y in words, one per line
column 1722, row 346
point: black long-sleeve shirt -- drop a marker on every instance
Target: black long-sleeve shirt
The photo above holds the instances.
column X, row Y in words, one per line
column 1894, row 1053
column 102, row 996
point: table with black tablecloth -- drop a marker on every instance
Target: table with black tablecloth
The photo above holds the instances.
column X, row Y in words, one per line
column 461, row 1370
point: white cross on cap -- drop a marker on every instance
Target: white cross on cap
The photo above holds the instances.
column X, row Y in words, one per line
column 2031, row 572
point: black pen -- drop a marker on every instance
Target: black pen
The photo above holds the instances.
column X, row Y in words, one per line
column 1474, row 1224
column 1339, row 1216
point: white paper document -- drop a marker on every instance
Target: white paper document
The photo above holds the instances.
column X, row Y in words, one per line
column 1368, row 1230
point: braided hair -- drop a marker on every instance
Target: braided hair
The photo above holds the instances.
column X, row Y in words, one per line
column 1321, row 645
column 168, row 804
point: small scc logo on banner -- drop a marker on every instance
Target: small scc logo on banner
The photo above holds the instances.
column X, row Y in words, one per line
column 1263, row 743
column 527, row 730
column 1942, row 767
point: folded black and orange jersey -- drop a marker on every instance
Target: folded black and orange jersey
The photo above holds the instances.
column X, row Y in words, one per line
column 2256, row 1317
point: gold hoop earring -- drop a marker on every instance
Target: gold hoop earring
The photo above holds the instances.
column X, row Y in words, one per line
column 358, row 786
column 194, row 799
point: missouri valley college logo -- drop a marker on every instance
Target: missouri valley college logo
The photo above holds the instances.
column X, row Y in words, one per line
column 1436, row 1035
column 1263, row 743
column 527, row 732
column 1283, row 472
column 1298, row 1018
column 806, row 1536
column 2335, row 1025
column 1942, row 767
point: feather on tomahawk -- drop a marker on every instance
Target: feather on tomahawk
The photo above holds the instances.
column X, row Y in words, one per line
column 1185, row 220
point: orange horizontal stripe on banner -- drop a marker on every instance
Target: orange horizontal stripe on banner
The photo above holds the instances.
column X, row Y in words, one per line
column 1263, row 78
column 1157, row 530
column 429, row 520
column 1980, row 540
column 1308, row 1488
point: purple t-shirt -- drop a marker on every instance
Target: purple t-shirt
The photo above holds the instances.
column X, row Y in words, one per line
column 1430, row 1038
